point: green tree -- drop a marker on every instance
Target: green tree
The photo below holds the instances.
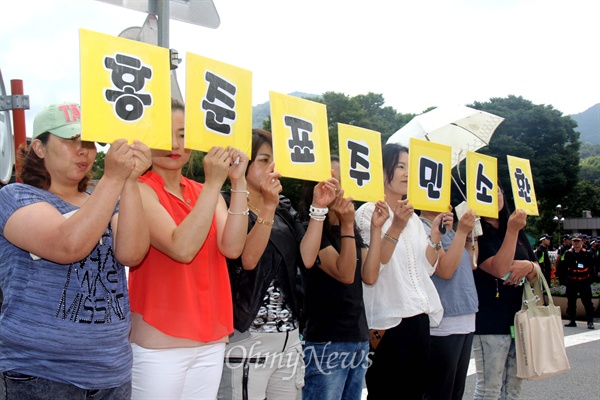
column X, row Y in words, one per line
column 584, row 196
column 98, row 168
column 547, row 139
column 590, row 170
column 589, row 150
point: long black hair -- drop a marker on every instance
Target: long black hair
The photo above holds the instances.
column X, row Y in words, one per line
column 390, row 154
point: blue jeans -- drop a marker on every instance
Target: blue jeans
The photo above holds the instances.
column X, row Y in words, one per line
column 496, row 364
column 16, row 386
column 334, row 370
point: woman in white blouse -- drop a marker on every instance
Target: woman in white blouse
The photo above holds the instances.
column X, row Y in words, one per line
column 402, row 302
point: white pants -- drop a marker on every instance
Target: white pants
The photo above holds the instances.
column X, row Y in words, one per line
column 181, row 373
column 263, row 365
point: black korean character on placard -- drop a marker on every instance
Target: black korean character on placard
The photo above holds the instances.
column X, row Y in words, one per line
column 300, row 144
column 359, row 156
column 523, row 185
column 219, row 104
column 483, row 185
column 129, row 76
column 430, row 177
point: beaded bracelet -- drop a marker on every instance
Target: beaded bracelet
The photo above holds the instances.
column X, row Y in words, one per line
column 390, row 238
column 317, row 213
column 238, row 213
column 317, row 210
column 259, row 220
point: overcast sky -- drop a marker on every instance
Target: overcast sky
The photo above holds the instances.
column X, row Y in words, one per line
column 416, row 53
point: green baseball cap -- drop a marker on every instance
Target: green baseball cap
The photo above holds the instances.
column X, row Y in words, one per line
column 61, row 119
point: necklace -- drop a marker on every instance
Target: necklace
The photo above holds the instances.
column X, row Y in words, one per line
column 253, row 208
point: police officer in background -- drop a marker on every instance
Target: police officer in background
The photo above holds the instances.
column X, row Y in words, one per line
column 595, row 250
column 576, row 268
column 541, row 253
column 566, row 245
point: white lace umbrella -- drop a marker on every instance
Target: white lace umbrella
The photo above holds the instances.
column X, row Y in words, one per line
column 461, row 127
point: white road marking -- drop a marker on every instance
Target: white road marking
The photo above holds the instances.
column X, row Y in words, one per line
column 571, row 340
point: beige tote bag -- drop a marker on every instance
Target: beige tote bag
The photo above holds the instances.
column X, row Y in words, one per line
column 539, row 336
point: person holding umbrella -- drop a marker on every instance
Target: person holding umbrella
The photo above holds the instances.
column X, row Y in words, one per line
column 452, row 340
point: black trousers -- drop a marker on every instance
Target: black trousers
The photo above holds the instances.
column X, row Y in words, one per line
column 583, row 288
column 399, row 365
column 448, row 365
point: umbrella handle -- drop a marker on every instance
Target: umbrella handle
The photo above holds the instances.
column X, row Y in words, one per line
column 458, row 187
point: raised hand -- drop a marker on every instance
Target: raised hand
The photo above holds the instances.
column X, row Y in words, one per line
column 380, row 215
column 270, row 186
column 402, row 213
column 446, row 218
column 467, row 222
column 344, row 208
column 119, row 161
column 142, row 158
column 237, row 164
column 517, row 220
column 216, row 165
column 324, row 192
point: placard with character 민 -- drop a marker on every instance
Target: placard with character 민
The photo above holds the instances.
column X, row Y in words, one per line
column 429, row 175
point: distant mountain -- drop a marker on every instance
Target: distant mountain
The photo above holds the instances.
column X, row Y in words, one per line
column 261, row 112
column 588, row 124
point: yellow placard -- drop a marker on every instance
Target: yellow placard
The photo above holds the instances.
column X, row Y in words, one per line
column 361, row 166
column 430, row 166
column 482, row 184
column 521, row 182
column 300, row 138
column 218, row 105
column 125, row 90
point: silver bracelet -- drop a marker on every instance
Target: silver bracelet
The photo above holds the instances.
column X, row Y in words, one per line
column 390, row 238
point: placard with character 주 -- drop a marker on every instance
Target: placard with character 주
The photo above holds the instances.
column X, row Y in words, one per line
column 361, row 166
column 125, row 90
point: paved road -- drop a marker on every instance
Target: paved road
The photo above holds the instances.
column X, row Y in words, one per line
column 581, row 382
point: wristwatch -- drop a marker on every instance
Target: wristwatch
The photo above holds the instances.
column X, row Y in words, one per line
column 436, row 246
